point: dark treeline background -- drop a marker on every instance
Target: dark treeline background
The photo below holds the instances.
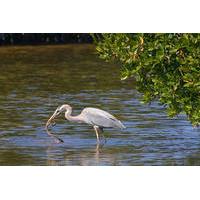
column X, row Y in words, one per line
column 43, row 38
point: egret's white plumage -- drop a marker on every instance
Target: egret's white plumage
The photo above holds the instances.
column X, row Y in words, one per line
column 98, row 118
column 101, row 118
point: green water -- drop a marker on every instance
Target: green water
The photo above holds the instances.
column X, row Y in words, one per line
column 35, row 80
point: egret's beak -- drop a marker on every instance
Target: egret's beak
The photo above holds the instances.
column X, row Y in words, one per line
column 55, row 114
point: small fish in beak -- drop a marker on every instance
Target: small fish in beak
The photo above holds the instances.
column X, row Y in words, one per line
column 51, row 119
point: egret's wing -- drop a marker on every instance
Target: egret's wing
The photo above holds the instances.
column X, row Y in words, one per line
column 100, row 118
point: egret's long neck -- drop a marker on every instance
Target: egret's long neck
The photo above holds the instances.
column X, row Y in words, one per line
column 71, row 118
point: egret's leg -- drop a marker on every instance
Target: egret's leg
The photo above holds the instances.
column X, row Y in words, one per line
column 96, row 131
column 101, row 130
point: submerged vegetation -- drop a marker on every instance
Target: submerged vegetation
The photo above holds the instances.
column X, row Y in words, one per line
column 166, row 67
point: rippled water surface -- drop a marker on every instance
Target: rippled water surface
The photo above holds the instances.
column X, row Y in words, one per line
column 35, row 80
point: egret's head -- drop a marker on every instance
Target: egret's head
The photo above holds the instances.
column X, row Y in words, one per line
column 58, row 111
column 61, row 109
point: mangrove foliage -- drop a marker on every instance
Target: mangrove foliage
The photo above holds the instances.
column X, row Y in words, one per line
column 166, row 67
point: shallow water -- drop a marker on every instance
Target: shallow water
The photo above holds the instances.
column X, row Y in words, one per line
column 35, row 80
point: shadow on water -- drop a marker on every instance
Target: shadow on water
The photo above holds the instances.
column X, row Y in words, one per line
column 35, row 80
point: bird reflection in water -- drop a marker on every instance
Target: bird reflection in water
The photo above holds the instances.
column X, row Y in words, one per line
column 70, row 156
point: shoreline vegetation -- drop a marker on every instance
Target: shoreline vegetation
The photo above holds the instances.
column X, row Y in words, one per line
column 13, row 39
